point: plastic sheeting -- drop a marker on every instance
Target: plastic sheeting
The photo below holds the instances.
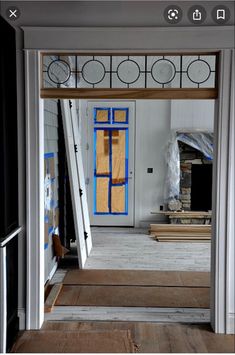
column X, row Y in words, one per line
column 202, row 141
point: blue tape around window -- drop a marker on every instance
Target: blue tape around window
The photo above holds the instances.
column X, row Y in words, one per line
column 97, row 109
column 110, row 175
column 120, row 109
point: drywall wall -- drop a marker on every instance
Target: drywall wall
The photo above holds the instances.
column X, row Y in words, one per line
column 195, row 114
column 152, row 133
column 51, row 146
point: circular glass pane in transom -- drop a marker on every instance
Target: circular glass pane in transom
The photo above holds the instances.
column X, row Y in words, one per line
column 93, row 71
column 198, row 71
column 59, row 71
column 163, row 71
column 128, row 71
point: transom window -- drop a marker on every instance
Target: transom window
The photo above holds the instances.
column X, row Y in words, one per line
column 143, row 71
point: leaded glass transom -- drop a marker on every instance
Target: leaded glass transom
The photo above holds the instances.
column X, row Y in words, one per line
column 140, row 71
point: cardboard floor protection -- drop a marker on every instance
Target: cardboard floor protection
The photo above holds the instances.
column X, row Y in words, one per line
column 97, row 341
column 134, row 296
column 137, row 278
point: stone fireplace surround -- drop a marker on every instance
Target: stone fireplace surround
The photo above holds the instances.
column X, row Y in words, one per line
column 188, row 157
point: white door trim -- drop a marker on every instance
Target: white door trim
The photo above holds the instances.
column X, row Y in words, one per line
column 41, row 38
column 34, row 193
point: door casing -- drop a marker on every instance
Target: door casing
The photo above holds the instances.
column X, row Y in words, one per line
column 37, row 39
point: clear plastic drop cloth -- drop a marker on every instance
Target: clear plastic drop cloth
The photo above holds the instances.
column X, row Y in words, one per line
column 202, row 141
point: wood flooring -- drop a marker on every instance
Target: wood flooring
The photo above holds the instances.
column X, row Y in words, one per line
column 159, row 338
column 134, row 249
column 79, row 341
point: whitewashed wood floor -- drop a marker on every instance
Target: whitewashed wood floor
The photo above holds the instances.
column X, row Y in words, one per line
column 133, row 249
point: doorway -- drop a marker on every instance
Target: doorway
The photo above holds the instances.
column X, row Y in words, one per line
column 31, row 60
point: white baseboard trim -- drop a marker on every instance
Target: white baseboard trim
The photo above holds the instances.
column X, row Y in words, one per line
column 230, row 328
column 21, row 315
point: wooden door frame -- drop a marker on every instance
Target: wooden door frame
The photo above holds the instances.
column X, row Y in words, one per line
column 39, row 39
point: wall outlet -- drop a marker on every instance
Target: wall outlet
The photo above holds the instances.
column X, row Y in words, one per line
column 161, row 207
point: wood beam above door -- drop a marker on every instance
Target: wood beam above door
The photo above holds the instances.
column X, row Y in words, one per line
column 167, row 94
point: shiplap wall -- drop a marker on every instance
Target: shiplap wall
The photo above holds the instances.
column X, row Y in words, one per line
column 195, row 114
column 51, row 146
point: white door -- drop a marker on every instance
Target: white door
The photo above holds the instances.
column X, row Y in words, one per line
column 110, row 180
column 74, row 182
column 81, row 176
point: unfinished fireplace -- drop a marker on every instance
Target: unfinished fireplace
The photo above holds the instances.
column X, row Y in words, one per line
column 195, row 179
column 189, row 159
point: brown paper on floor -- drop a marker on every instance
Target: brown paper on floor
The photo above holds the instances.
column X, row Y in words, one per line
column 82, row 341
column 58, row 247
column 102, row 152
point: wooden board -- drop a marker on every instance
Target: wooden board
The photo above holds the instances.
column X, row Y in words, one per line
column 184, row 240
column 137, row 278
column 185, row 214
column 134, row 296
column 189, row 228
column 79, row 341
column 180, row 234
column 51, row 298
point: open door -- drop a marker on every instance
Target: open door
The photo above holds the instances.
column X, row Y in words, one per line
column 77, row 181
column 81, row 176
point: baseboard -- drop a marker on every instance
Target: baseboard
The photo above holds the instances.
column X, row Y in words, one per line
column 230, row 327
column 21, row 315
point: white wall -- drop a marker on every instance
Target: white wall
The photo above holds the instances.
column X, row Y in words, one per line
column 51, row 146
column 196, row 114
column 152, row 133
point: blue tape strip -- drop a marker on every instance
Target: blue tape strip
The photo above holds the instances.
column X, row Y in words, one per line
column 95, row 181
column 120, row 109
column 49, row 155
column 96, row 109
column 45, row 246
column 110, row 130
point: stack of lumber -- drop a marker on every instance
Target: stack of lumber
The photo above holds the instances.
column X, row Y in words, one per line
column 180, row 232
